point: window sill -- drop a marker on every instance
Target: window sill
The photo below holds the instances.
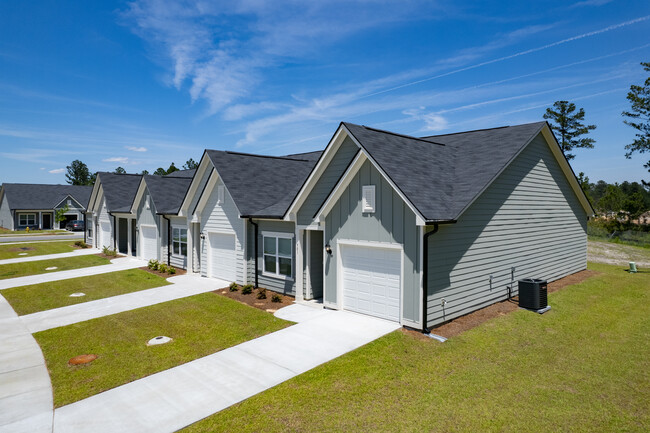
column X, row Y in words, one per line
column 277, row 276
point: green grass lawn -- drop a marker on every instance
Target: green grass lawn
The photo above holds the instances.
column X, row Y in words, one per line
column 4, row 231
column 200, row 325
column 34, row 249
column 15, row 270
column 45, row 296
column 583, row 366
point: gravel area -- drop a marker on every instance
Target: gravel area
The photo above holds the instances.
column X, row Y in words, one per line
column 617, row 254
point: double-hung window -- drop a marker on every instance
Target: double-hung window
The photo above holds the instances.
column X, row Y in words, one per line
column 278, row 255
column 27, row 219
column 179, row 241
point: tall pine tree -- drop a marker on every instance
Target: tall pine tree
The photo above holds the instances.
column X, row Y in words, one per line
column 568, row 127
column 639, row 118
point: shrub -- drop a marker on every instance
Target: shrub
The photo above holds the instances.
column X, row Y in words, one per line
column 153, row 264
column 276, row 298
column 171, row 270
column 162, row 268
column 247, row 289
column 233, row 287
column 81, row 244
column 109, row 251
column 261, row 294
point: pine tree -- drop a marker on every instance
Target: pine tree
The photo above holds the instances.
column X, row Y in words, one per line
column 639, row 118
column 569, row 127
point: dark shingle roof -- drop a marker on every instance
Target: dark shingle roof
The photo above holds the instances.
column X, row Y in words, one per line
column 38, row 196
column 440, row 175
column 262, row 186
column 310, row 156
column 182, row 173
column 167, row 192
column 119, row 190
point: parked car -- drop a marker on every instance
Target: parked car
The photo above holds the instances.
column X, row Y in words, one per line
column 76, row 225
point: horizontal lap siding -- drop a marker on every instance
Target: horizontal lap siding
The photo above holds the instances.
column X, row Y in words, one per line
column 148, row 217
column 104, row 217
column 222, row 218
column 529, row 218
column 276, row 284
column 6, row 219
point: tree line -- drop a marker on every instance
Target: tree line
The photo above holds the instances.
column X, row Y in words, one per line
column 627, row 200
column 79, row 174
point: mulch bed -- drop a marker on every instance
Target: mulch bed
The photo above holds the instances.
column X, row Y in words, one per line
column 461, row 324
column 251, row 299
column 165, row 274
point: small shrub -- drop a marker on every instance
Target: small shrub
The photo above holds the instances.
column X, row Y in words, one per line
column 261, row 294
column 233, row 287
column 109, row 251
column 163, row 268
column 171, row 270
column 276, row 298
column 153, row 264
column 247, row 289
column 81, row 244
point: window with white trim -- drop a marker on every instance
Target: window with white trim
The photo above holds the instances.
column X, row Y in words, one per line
column 27, row 219
column 179, row 241
column 278, row 255
column 69, row 202
column 221, row 193
column 368, row 198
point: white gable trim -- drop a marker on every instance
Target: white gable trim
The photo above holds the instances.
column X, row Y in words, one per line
column 194, row 185
column 138, row 196
column 206, row 193
column 94, row 195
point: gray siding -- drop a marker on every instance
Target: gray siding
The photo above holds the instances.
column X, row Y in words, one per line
column 223, row 218
column 201, row 184
column 392, row 222
column 327, row 181
column 529, row 218
column 316, row 249
column 90, row 230
column 148, row 217
column 278, row 285
column 6, row 220
column 176, row 260
column 103, row 217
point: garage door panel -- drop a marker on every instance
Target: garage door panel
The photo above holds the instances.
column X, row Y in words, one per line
column 222, row 256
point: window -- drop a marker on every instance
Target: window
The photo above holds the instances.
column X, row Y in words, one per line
column 90, row 232
column 146, row 203
column 368, row 198
column 27, row 219
column 179, row 241
column 69, row 202
column 220, row 194
column 278, row 257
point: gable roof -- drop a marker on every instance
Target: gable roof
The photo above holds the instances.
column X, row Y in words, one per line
column 442, row 175
column 119, row 190
column 182, row 173
column 29, row 196
column 262, row 186
column 167, row 192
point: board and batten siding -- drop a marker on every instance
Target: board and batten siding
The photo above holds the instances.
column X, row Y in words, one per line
column 196, row 250
column 529, row 218
column 222, row 218
column 327, row 181
column 148, row 217
column 285, row 286
column 6, row 219
column 392, row 222
column 104, row 217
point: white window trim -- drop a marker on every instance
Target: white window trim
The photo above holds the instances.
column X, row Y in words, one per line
column 278, row 275
column 368, row 190
column 26, row 215
column 171, row 244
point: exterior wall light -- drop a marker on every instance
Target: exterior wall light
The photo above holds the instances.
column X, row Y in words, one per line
column 328, row 249
column 202, row 235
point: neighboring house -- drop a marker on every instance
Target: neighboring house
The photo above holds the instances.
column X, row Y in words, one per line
column 155, row 207
column 35, row 205
column 235, row 207
column 423, row 230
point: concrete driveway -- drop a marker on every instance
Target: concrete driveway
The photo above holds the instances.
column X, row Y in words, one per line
column 180, row 396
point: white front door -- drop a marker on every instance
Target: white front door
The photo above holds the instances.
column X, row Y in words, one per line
column 222, row 259
column 105, row 239
column 371, row 279
column 148, row 242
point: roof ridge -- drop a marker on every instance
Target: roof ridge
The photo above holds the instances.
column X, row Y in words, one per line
column 264, row 156
column 484, row 129
column 397, row 134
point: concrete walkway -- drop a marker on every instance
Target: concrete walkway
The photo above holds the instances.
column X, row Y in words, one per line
column 184, row 285
column 26, row 403
column 175, row 398
column 119, row 264
column 80, row 252
column 73, row 236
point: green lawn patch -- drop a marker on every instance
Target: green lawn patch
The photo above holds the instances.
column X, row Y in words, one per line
column 200, row 325
column 15, row 270
column 583, row 366
column 34, row 249
column 45, row 296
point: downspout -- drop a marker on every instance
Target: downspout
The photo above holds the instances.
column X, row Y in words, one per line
column 169, row 240
column 85, row 226
column 250, row 220
column 425, row 275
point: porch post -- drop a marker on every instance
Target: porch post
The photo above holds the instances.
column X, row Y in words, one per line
column 129, row 250
column 299, row 265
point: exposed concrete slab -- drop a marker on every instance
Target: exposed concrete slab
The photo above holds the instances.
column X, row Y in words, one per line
column 175, row 398
column 26, row 403
column 183, row 286
column 118, row 264
column 84, row 252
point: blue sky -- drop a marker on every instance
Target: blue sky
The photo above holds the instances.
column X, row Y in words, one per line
column 141, row 84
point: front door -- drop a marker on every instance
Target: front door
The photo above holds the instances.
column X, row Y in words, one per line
column 47, row 221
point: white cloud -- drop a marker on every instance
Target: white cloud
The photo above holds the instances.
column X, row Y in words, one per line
column 432, row 121
column 121, row 159
column 135, row 149
column 57, row 171
column 590, row 3
column 42, row 168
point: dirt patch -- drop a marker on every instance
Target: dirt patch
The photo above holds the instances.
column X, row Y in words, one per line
column 119, row 256
column 20, row 249
column 617, row 254
column 164, row 275
column 262, row 304
column 472, row 320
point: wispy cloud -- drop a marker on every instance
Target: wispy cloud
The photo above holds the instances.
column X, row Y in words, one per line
column 590, row 3
column 135, row 149
column 57, row 171
column 120, row 159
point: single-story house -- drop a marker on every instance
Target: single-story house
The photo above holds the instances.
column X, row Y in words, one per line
column 423, row 230
column 161, row 233
column 35, row 205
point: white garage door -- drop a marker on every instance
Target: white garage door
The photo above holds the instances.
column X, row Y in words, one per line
column 105, row 239
column 149, row 242
column 371, row 280
column 222, row 256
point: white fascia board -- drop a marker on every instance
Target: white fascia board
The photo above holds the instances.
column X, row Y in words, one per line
column 93, row 195
column 207, row 192
column 339, row 188
column 316, row 173
column 419, row 218
column 138, row 195
column 194, row 185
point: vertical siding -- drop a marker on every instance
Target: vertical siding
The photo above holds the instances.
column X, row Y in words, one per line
column 6, row 220
column 104, row 217
column 201, row 184
column 148, row 217
column 529, row 218
column 222, row 218
column 327, row 181
column 278, row 285
column 392, row 222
